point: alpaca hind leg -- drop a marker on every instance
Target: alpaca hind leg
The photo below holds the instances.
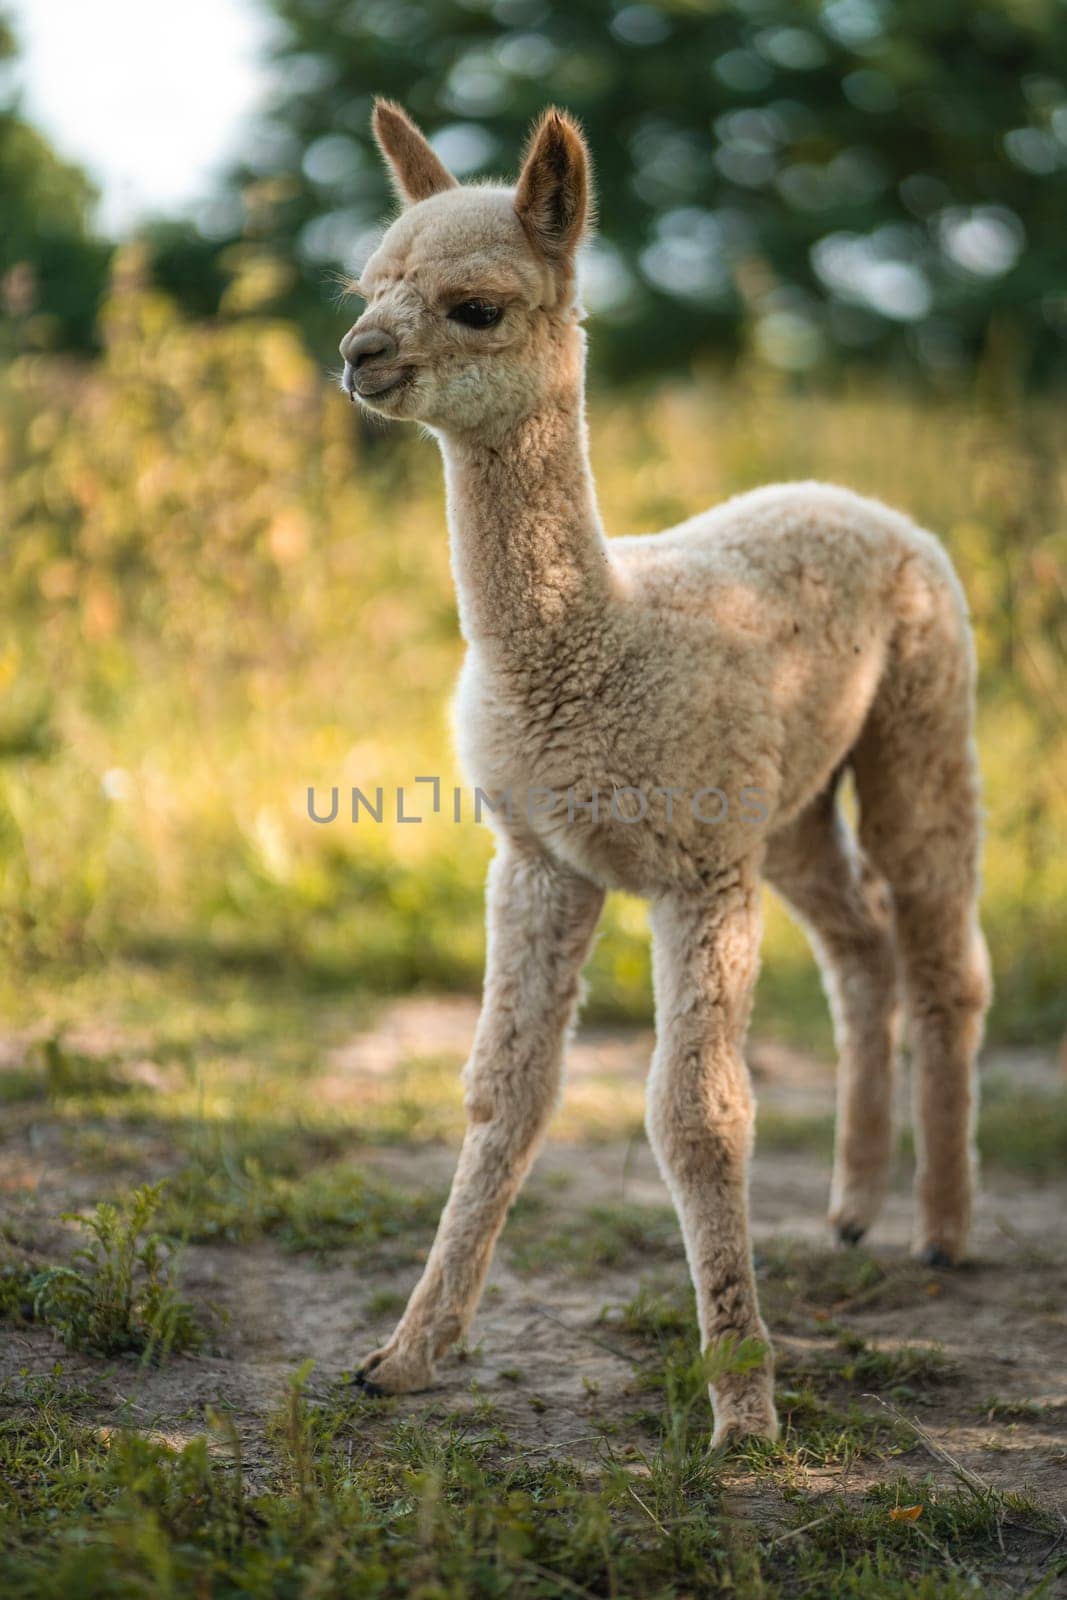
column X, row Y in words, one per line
column 946, row 972
column 817, row 867
column 700, row 1112
column 541, row 924
column 916, row 774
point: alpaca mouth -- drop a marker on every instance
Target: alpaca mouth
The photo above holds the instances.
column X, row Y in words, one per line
column 374, row 383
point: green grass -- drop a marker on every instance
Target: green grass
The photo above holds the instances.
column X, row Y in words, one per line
column 353, row 1496
column 899, row 1371
column 591, row 1240
column 1024, row 1131
column 217, row 592
column 431, row 1505
column 240, row 1183
column 880, row 1541
column 331, row 1207
column 803, row 1135
column 238, row 1059
column 230, row 1086
column 1019, row 1130
column 117, row 1293
column 996, row 1410
column 798, row 1280
column 815, row 1431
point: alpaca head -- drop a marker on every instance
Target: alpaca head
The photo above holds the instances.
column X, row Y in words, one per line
column 472, row 318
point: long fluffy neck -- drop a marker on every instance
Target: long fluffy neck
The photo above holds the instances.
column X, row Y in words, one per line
column 528, row 553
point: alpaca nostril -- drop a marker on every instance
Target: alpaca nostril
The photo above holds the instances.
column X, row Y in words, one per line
column 373, row 344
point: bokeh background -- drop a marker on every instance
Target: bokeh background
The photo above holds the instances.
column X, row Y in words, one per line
column 831, row 244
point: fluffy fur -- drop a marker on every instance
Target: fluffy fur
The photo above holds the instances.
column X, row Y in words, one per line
column 761, row 648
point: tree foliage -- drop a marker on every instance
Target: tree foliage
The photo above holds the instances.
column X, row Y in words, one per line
column 52, row 269
column 857, row 178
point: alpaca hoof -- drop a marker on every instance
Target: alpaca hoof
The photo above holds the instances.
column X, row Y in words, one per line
column 738, row 1430
column 396, row 1369
column 371, row 1389
column 932, row 1255
column 743, row 1417
column 849, row 1233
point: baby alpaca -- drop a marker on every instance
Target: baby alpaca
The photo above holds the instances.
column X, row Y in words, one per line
column 615, row 694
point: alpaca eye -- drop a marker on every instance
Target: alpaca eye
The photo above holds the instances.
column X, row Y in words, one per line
column 476, row 314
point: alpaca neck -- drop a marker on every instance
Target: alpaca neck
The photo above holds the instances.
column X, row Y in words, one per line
column 528, row 553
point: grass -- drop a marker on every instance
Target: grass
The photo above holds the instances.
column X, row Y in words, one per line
column 117, row 1293
column 899, row 1371
column 335, row 1494
column 782, row 1131
column 879, row 1543
column 592, row 1239
column 1019, row 1130
column 996, row 1410
column 799, row 1280
column 435, row 1505
column 331, row 1207
column 1024, row 1131
column 815, row 1431
column 217, row 594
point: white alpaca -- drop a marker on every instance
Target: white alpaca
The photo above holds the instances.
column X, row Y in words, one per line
column 758, row 650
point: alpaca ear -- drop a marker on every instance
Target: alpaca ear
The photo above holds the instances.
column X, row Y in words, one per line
column 416, row 172
column 554, row 194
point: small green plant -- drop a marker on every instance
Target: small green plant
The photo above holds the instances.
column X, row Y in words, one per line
column 961, row 1519
column 118, row 1292
column 655, row 1317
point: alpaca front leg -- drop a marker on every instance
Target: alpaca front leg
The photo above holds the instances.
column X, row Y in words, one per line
column 700, row 1116
column 541, row 923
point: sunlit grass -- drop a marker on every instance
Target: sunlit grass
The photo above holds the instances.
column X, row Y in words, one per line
column 217, row 595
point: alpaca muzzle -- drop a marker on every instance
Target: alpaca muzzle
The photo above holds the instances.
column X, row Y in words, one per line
column 370, row 356
column 361, row 384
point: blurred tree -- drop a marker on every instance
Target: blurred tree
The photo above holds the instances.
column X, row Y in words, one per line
column 869, row 178
column 52, row 268
column 186, row 264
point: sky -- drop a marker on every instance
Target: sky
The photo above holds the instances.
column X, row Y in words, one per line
column 152, row 97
